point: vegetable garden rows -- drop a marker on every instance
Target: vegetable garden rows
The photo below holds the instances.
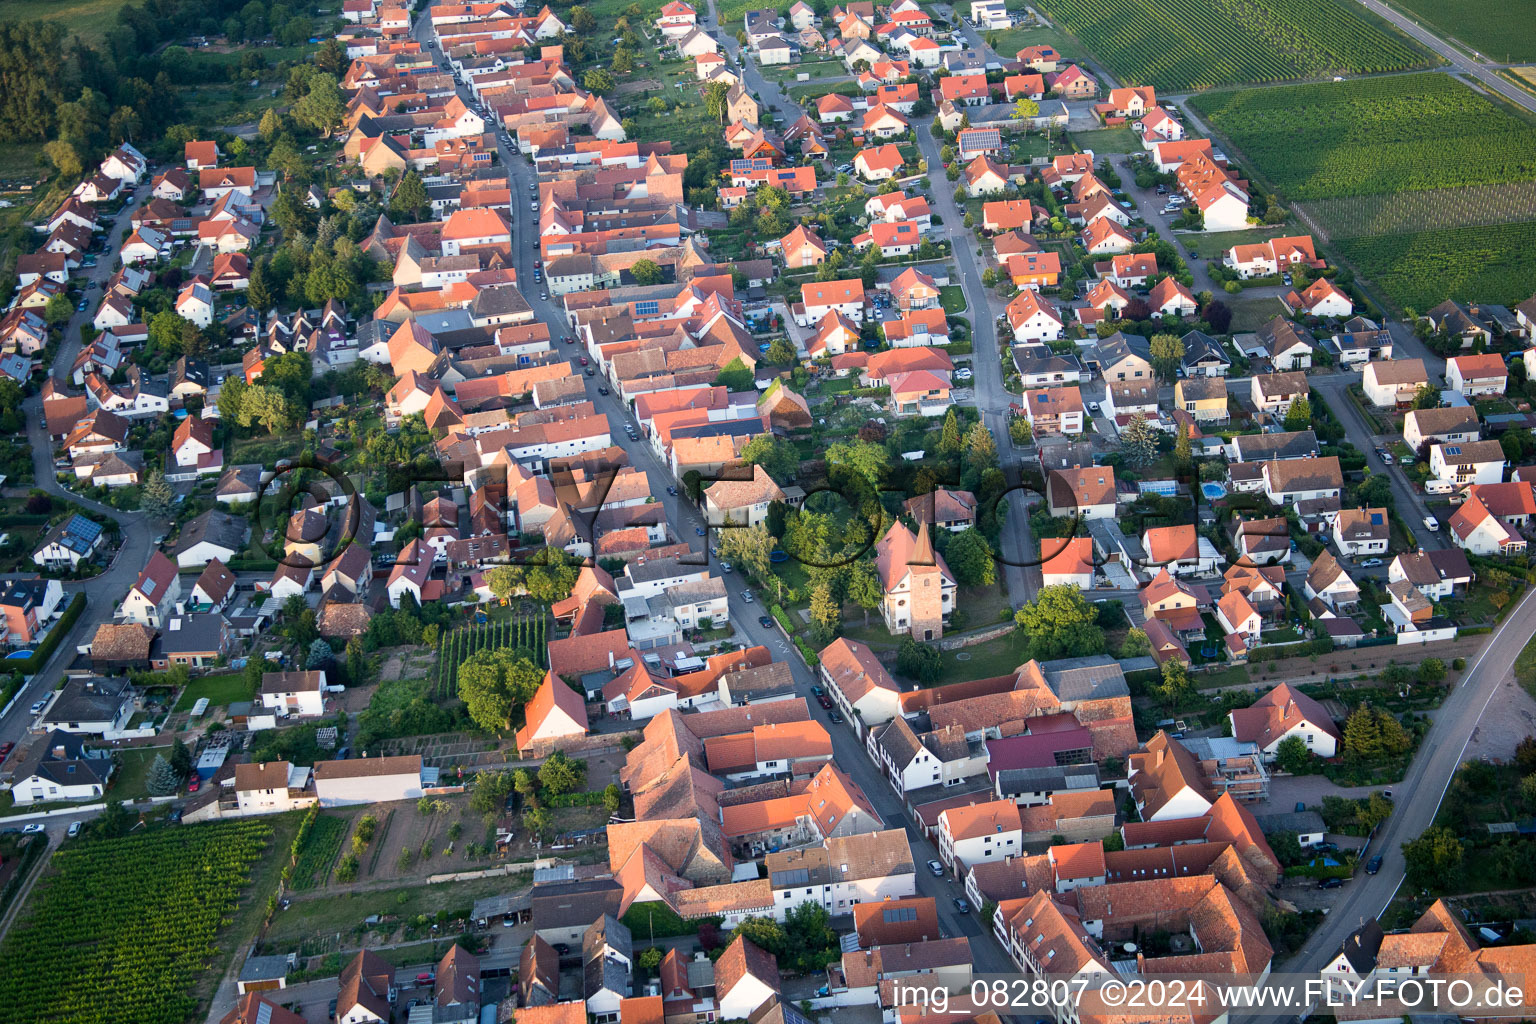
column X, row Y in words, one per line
column 120, row 930
column 1179, row 45
column 321, row 846
column 1374, row 136
column 526, row 631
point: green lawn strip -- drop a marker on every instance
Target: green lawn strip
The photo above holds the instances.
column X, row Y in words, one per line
column 221, row 691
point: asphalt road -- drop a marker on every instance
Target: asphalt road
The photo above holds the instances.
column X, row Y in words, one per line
column 1458, row 59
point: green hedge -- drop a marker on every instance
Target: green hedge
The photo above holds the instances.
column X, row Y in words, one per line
column 783, row 619
column 806, row 653
column 658, row 920
column 575, row 799
column 21, row 519
column 44, row 651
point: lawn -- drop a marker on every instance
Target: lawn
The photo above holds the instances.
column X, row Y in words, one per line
column 1108, row 140
column 815, row 68
column 952, row 297
column 1502, row 29
column 1232, row 675
column 266, row 449
column 128, row 781
column 345, row 912
column 999, row 657
column 1220, row 241
column 688, row 124
column 1010, row 41
column 1187, row 44
column 221, row 691
column 802, row 93
column 1250, row 314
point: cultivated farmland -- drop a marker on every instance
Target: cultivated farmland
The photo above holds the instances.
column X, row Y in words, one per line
column 1374, row 136
column 121, row 930
column 523, row 630
column 1434, row 209
column 1487, row 264
column 1179, row 45
column 1502, row 29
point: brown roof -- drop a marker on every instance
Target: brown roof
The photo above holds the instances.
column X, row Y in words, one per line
column 216, row 581
column 1399, row 371
column 1163, row 769
column 254, row 1008
column 1304, row 474
column 291, row 682
column 1082, row 488
column 368, row 767
column 365, row 981
column 122, row 642
column 740, row 959
column 266, row 775
column 855, row 669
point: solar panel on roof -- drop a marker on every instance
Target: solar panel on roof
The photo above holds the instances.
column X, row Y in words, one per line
column 797, row 876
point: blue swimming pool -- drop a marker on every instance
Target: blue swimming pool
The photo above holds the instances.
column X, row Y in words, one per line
column 15, row 655
column 1212, row 491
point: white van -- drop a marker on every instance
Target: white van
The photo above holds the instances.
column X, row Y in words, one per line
column 1438, row 487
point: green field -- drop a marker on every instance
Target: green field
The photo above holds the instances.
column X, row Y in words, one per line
column 89, row 19
column 1374, row 136
column 124, row 930
column 221, row 690
column 1504, row 30
column 1186, row 44
column 1489, row 264
column 1108, row 140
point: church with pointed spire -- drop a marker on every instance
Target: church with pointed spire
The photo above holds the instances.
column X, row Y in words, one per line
column 919, row 588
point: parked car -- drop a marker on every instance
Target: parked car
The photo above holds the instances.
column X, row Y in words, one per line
column 835, row 718
column 1331, row 883
column 194, row 784
column 817, row 691
column 825, row 702
column 964, row 373
column 962, row 905
column 37, row 706
column 74, row 829
column 591, row 372
column 1431, row 523
column 746, row 595
column 1373, row 865
column 726, row 567
column 602, row 391
column 33, row 829
column 700, row 530
column 766, row 621
column 1370, row 563
column 672, row 491
column 936, row 868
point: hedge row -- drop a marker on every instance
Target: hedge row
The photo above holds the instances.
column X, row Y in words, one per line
column 44, row 651
column 575, row 799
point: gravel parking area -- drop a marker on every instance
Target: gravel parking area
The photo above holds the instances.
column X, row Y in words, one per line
column 1510, row 718
column 1310, row 789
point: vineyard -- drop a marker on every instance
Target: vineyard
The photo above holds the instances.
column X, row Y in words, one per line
column 526, row 631
column 1179, row 45
column 1502, row 29
column 1374, row 136
column 1433, row 210
column 1488, row 264
column 321, row 845
column 121, row 930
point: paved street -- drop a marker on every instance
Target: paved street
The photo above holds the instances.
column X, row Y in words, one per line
column 1478, row 69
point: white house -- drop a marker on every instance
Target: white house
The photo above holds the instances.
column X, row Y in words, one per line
column 746, row 977
column 1470, row 462
column 1361, row 532
column 195, row 303
column 1237, row 616
column 858, row 683
column 1473, row 375
column 368, row 780
column 154, row 594
column 60, row 769
column 71, row 542
column 1282, row 713
column 271, row 787
column 294, row 693
column 1393, row 383
column 981, row 832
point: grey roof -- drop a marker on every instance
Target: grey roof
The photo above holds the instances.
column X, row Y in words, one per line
column 215, row 527
column 77, row 534
column 607, row 931
column 1062, row 454
column 503, row 301
column 574, row 903
column 1028, row 359
column 1362, row 945
column 1120, row 345
column 1298, row 444
column 88, row 700
column 264, row 968
column 1292, row 821
column 605, row 973
column 660, row 569
column 1047, row 780
column 374, row 332
column 191, row 634
column 1097, row 677
column 1199, row 346
column 244, row 478
column 1280, row 334
column 61, row 758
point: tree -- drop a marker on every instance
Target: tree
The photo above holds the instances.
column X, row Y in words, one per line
column 494, row 683
column 920, row 661
column 538, row 821
column 1135, row 644
column 864, row 587
column 161, row 779
column 156, row 498
column 504, row 581
column 1525, row 755
column 780, row 352
column 1373, row 810
column 1431, row 670
column 582, row 20
column 1060, row 623
column 765, row 933
column 862, row 458
column 410, row 201
column 612, row 798
column 1138, row 442
column 646, row 272
column 1370, row 733
column 776, row 455
column 1299, row 415
column 825, row 614
column 1287, row 848
column 65, row 158
column 1175, row 687
column 357, row 662
column 715, row 102
column 561, row 774
column 812, row 944
column 263, row 405
column 598, row 80
column 735, row 376
column 489, row 791
column 181, row 758
column 970, row 559
column 1427, row 397
column 524, row 782
column 1167, row 352
column 949, row 437
column 1434, row 859
column 1293, row 756
column 58, row 310
column 749, row 548
column 323, row 107
column 320, row 654
column 1025, row 108
column 980, row 447
column 1020, row 432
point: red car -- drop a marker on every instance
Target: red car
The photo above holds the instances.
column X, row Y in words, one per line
column 583, row 360
column 193, row 783
column 5, row 750
column 825, row 702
